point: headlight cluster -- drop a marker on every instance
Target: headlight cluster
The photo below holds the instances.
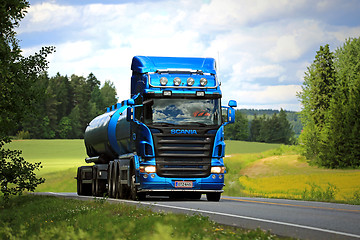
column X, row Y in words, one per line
column 177, row 81
column 217, row 170
column 148, row 169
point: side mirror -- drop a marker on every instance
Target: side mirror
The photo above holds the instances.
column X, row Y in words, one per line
column 232, row 103
column 130, row 102
column 231, row 115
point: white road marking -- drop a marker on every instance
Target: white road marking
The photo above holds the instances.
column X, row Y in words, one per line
column 228, row 215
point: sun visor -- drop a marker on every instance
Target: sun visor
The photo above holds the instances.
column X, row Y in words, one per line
column 145, row 64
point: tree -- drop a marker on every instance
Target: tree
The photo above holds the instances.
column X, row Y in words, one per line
column 238, row 130
column 341, row 134
column 255, row 129
column 108, row 94
column 286, row 134
column 317, row 91
column 18, row 95
column 331, row 114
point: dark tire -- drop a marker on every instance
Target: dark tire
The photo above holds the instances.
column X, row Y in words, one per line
column 213, row 197
column 86, row 188
column 113, row 180
column 94, row 183
column 133, row 188
column 110, row 179
column 78, row 181
column 82, row 188
column 98, row 185
column 121, row 189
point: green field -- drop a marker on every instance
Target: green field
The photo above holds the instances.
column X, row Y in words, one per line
column 42, row 217
column 59, row 158
column 253, row 169
column 236, row 147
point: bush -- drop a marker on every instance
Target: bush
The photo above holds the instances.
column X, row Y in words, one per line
column 16, row 174
column 23, row 135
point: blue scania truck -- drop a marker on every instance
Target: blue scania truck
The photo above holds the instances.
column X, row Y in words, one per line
column 166, row 140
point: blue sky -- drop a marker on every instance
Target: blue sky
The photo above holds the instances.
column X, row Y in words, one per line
column 262, row 47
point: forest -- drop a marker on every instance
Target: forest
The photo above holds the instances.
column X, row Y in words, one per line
column 270, row 126
column 65, row 106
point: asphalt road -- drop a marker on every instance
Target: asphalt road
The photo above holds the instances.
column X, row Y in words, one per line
column 299, row 219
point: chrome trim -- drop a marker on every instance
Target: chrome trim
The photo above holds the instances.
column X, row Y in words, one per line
column 197, row 87
column 179, row 190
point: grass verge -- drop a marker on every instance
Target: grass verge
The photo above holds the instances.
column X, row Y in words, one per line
column 39, row 217
column 282, row 173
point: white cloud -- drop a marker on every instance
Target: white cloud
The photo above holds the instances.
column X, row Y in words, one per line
column 48, row 16
column 268, row 94
column 254, row 41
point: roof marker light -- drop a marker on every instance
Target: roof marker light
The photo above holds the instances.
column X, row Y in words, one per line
column 177, row 81
column 163, row 81
column 203, row 81
column 190, row 81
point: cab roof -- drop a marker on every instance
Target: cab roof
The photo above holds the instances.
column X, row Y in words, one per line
column 145, row 64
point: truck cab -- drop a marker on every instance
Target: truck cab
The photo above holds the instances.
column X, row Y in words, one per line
column 168, row 138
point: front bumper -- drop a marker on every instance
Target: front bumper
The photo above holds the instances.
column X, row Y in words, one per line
column 152, row 183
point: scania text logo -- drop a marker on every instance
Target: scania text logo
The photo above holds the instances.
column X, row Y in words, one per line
column 183, row 131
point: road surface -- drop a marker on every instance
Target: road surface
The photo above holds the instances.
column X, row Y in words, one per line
column 299, row 219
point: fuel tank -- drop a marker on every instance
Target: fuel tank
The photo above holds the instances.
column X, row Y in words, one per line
column 107, row 136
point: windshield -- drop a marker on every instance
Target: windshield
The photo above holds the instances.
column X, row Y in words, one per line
column 182, row 112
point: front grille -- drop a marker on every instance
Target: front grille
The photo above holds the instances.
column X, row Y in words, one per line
column 183, row 155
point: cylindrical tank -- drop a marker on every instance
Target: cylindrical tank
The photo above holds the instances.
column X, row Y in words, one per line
column 108, row 135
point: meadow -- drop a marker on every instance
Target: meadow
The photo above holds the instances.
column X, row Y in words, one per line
column 43, row 217
column 253, row 169
column 283, row 173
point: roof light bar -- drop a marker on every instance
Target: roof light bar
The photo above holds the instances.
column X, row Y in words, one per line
column 177, row 81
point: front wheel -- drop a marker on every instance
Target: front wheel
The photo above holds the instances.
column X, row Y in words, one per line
column 213, row 197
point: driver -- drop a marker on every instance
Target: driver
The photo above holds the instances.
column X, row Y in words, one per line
column 201, row 113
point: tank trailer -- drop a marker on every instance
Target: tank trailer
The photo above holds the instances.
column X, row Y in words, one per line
column 166, row 140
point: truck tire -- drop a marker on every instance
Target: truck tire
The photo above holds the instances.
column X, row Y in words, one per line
column 110, row 190
column 83, row 188
column 134, row 195
column 213, row 197
column 114, row 180
column 121, row 190
column 98, row 185
column 78, row 181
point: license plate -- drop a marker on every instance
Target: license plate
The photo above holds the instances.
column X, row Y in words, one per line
column 183, row 184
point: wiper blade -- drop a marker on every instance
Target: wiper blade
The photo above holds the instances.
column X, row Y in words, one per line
column 195, row 123
column 163, row 124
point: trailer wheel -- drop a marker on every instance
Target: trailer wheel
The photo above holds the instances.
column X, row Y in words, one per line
column 121, row 191
column 98, row 185
column 213, row 197
column 113, row 180
column 78, row 181
column 82, row 188
column 110, row 179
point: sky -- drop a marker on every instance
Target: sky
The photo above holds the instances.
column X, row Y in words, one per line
column 262, row 47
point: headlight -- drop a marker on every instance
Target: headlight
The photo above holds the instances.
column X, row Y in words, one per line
column 163, row 81
column 177, row 81
column 203, row 81
column 190, row 81
column 148, row 169
column 217, row 170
